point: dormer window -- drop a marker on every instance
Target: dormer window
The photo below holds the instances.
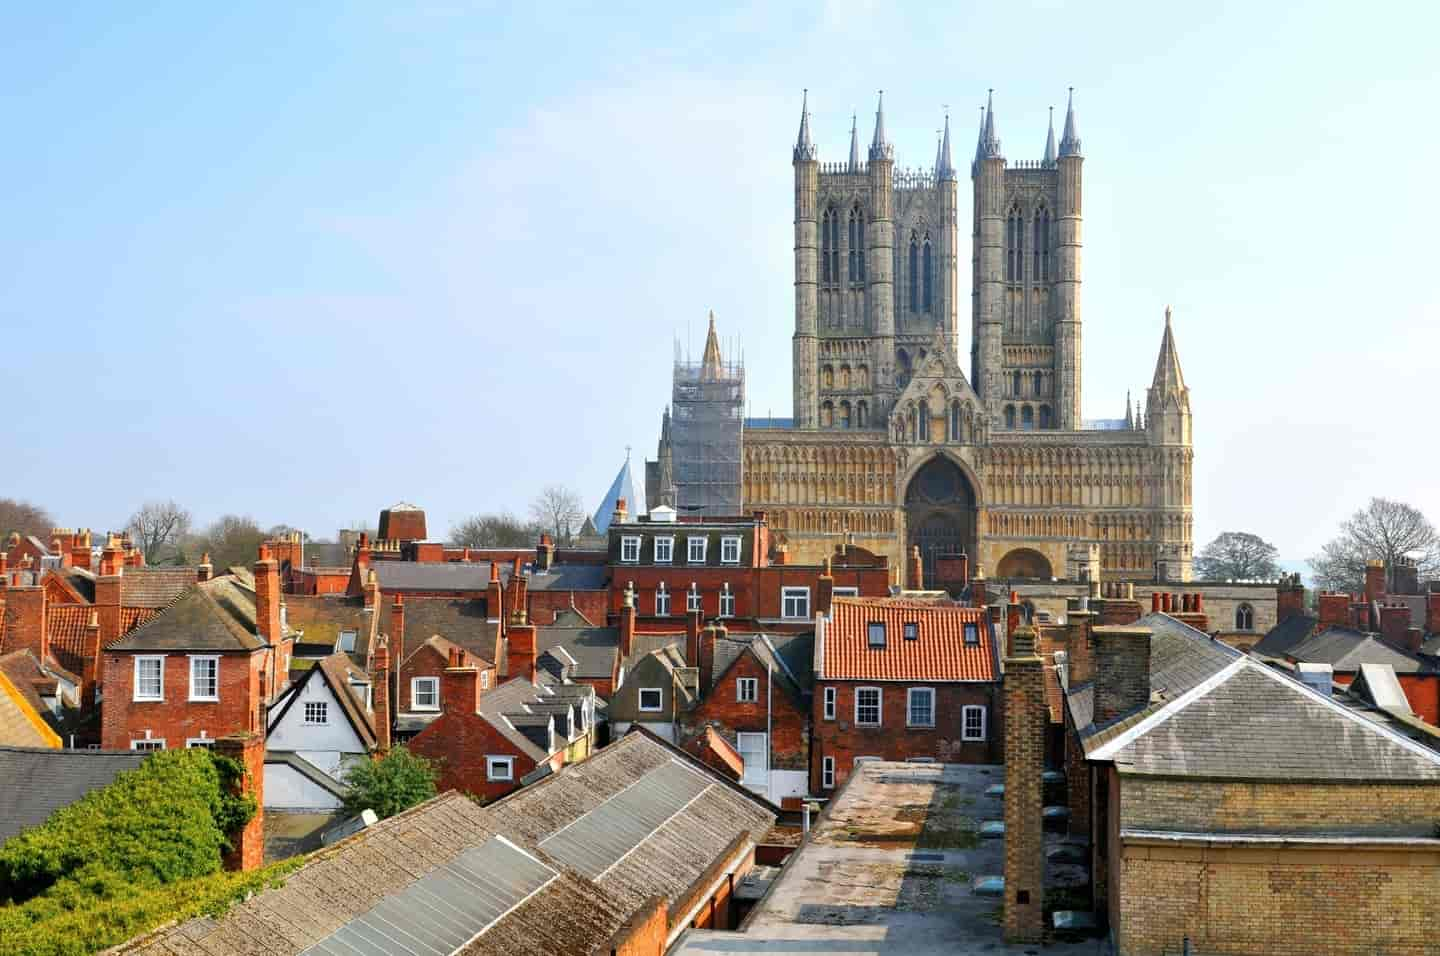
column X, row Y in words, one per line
column 630, row 549
column 697, row 550
column 664, row 550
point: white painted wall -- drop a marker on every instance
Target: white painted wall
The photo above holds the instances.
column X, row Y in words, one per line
column 287, row 790
column 662, row 729
column 336, row 737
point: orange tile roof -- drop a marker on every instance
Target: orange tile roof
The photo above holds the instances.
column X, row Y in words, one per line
column 66, row 623
column 939, row 653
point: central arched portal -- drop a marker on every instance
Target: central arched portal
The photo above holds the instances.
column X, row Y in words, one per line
column 940, row 514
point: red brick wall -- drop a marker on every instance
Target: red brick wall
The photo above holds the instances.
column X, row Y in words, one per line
column 461, row 742
column 249, row 843
column 428, row 662
column 543, row 605
column 892, row 740
column 177, row 718
column 716, row 888
column 789, row 733
column 1423, row 692
column 644, row 932
column 1024, row 762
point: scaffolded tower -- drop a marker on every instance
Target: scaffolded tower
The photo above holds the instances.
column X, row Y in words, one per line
column 705, row 432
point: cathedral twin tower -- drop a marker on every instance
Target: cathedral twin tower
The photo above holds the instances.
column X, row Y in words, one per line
column 876, row 278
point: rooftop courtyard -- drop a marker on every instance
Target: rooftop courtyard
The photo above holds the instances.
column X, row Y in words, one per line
column 892, row 868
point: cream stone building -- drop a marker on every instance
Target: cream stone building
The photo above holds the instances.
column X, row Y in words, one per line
column 894, row 446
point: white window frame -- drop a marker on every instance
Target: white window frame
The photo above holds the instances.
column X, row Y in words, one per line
column 690, row 543
column 148, row 744
column 345, row 635
column 193, row 742
column 495, row 761
column 324, row 706
column 693, row 601
column 879, row 707
column 415, row 683
column 668, row 541
column 788, row 593
column 965, row 712
column 213, row 658
column 140, row 661
column 630, row 549
column 827, row 773
column 662, row 592
column 659, row 692
column 484, row 680
column 750, row 684
column 910, row 702
column 753, row 775
column 727, row 601
column 730, row 547
column 845, row 592
column 831, row 697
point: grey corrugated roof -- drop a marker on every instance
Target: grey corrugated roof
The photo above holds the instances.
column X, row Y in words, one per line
column 39, row 781
column 436, row 576
column 1345, row 650
column 1285, row 636
column 1256, row 723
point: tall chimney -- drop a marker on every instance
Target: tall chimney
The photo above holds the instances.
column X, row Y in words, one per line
column 1334, row 609
column 91, row 677
column 80, row 550
column 1432, row 611
column 493, row 608
column 627, row 623
column 1374, row 580
column 1122, row 671
column 397, row 630
column 825, row 590
column 1026, row 717
column 248, row 749
column 521, row 651
column 693, row 624
column 205, row 570
column 545, row 553
column 29, row 629
column 267, row 597
column 708, row 639
column 382, row 695
column 915, row 578
column 1394, row 622
column 112, row 559
column 460, row 684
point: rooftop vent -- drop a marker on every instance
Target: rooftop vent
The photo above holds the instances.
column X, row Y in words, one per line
column 1319, row 676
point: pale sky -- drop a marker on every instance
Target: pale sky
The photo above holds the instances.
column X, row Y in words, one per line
column 304, row 263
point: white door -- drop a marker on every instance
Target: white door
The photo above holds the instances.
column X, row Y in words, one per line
column 755, row 751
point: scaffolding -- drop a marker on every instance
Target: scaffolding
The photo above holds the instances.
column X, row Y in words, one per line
column 705, row 435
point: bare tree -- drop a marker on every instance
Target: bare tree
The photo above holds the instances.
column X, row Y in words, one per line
column 21, row 517
column 499, row 530
column 231, row 540
column 159, row 527
column 557, row 510
column 1237, row 556
column 1383, row 530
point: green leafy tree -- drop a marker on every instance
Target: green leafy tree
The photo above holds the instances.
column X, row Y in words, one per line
column 394, row 783
column 1383, row 530
column 1237, row 556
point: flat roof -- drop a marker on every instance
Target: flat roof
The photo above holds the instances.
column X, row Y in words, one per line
column 889, row 869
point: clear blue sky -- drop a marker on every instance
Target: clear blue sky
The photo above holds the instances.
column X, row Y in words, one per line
column 303, row 263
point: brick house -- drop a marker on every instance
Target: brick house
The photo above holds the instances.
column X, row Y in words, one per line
column 1228, row 804
column 903, row 679
column 655, row 689
column 421, row 677
column 757, row 698
column 205, row 667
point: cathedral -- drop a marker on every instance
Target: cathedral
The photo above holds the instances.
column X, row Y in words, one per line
column 892, row 446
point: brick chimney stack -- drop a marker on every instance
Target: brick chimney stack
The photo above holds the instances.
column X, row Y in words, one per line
column 372, row 590
column 80, row 549
column 397, row 630
column 29, row 629
column 521, row 652
column 382, row 695
column 621, row 514
column 205, row 570
column 267, row 597
column 825, row 590
column 1289, row 597
column 915, row 570
column 460, row 685
column 1374, row 580
column 1334, row 609
column 1432, row 610
column 493, row 608
column 249, row 844
column 1025, row 725
column 1394, row 622
column 693, row 624
column 545, row 553
column 708, row 638
column 59, row 548
column 979, row 595
column 1122, row 670
column 91, row 677
column 627, row 622
column 112, row 559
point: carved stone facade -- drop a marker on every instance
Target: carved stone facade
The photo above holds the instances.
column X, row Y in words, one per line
column 893, row 445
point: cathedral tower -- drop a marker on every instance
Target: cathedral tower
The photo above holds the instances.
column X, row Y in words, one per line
column 1025, row 358
column 805, row 367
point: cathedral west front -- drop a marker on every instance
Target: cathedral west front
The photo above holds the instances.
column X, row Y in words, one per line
column 893, row 446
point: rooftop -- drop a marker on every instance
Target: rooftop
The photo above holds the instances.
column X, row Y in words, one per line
column 938, row 651
column 889, row 868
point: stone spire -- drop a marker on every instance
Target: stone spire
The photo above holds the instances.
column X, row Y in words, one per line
column 1070, row 140
column 880, row 148
column 1050, row 139
column 989, row 142
column 945, row 168
column 710, row 363
column 804, row 146
column 1168, row 377
column 980, row 138
column 1129, row 413
column 854, row 166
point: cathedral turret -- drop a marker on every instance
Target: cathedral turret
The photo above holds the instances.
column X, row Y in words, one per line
column 1067, row 284
column 987, row 356
column 1167, row 403
column 1050, row 140
column 854, row 165
column 710, row 362
column 946, row 166
column 806, row 346
column 949, row 239
column 880, row 258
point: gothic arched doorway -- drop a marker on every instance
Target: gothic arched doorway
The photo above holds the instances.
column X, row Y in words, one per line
column 939, row 514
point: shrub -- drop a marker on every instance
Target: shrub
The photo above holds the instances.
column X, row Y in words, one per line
column 395, row 782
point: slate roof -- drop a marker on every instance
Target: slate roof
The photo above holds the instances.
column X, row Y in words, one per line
column 510, row 698
column 1288, row 634
column 938, row 654
column 40, row 781
column 1345, row 650
column 218, row 615
column 788, row 655
column 306, row 769
column 570, row 577
column 431, row 576
column 387, row 881
column 460, row 621
column 593, row 649
column 154, row 587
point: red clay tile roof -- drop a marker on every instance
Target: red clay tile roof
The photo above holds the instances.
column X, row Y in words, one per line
column 938, row 653
column 154, row 587
column 66, row 623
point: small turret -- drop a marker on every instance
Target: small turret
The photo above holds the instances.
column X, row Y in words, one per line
column 1050, row 140
column 1129, row 414
column 989, row 142
column 1167, row 403
column 880, row 148
column 711, row 365
column 804, row 146
column 945, row 166
column 1070, row 140
column 854, row 166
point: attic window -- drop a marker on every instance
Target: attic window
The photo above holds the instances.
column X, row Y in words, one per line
column 972, row 633
column 346, row 644
column 875, row 634
column 912, row 630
